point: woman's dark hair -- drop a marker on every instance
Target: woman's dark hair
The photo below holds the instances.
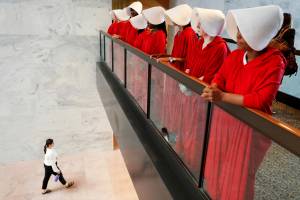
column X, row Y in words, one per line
column 161, row 26
column 186, row 26
column 140, row 31
column 48, row 142
column 133, row 13
column 287, row 20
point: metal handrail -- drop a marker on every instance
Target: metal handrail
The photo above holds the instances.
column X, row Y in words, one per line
column 278, row 131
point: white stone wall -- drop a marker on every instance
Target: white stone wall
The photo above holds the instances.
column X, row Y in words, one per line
column 48, row 55
column 60, row 17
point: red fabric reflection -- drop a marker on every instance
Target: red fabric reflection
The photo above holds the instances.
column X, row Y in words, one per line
column 172, row 101
column 119, row 61
column 234, row 155
column 236, row 151
column 190, row 138
column 137, row 80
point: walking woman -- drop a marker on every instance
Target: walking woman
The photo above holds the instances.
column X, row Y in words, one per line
column 50, row 165
column 249, row 77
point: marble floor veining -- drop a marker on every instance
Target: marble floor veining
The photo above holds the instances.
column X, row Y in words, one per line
column 48, row 55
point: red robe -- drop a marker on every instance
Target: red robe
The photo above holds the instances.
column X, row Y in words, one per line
column 210, row 59
column 235, row 150
column 137, row 74
column 192, row 53
column 112, row 29
column 155, row 43
column 182, row 40
column 122, row 29
column 131, row 34
column 140, row 38
column 205, row 62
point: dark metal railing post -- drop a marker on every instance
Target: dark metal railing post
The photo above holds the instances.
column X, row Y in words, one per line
column 125, row 68
column 205, row 143
column 100, row 38
column 112, row 55
column 149, row 91
column 104, row 49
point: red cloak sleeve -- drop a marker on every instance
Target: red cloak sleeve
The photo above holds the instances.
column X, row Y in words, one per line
column 258, row 80
column 155, row 43
column 112, row 28
column 131, row 34
column 208, row 61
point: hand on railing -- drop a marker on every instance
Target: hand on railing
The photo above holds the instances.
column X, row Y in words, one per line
column 201, row 78
column 165, row 59
column 187, row 71
column 116, row 36
column 212, row 93
column 157, row 56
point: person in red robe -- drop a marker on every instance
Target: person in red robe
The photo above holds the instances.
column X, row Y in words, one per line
column 124, row 29
column 112, row 29
column 208, row 55
column 120, row 17
column 182, row 40
column 137, row 68
column 155, row 43
column 249, row 77
column 129, row 33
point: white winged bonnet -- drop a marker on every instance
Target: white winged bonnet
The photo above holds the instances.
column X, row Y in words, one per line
column 138, row 22
column 154, row 15
column 180, row 15
column 136, row 6
column 212, row 21
column 257, row 25
column 120, row 14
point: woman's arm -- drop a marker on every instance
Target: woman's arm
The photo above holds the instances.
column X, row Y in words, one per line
column 213, row 93
column 52, row 160
column 170, row 59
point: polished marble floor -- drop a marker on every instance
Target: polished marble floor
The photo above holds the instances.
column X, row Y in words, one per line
column 97, row 174
column 48, row 55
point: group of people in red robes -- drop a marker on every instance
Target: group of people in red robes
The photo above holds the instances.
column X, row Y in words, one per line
column 248, row 76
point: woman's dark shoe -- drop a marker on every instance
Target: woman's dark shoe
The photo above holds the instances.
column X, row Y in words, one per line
column 69, row 184
column 46, row 191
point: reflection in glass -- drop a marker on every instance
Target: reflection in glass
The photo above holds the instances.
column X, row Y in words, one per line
column 235, row 158
column 119, row 67
column 102, row 46
column 108, row 56
column 137, row 79
column 181, row 116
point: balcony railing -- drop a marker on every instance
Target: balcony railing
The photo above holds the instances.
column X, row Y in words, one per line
column 226, row 149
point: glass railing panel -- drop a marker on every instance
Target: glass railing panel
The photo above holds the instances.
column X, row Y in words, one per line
column 102, row 46
column 108, row 55
column 242, row 163
column 119, row 67
column 137, row 79
column 180, row 115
